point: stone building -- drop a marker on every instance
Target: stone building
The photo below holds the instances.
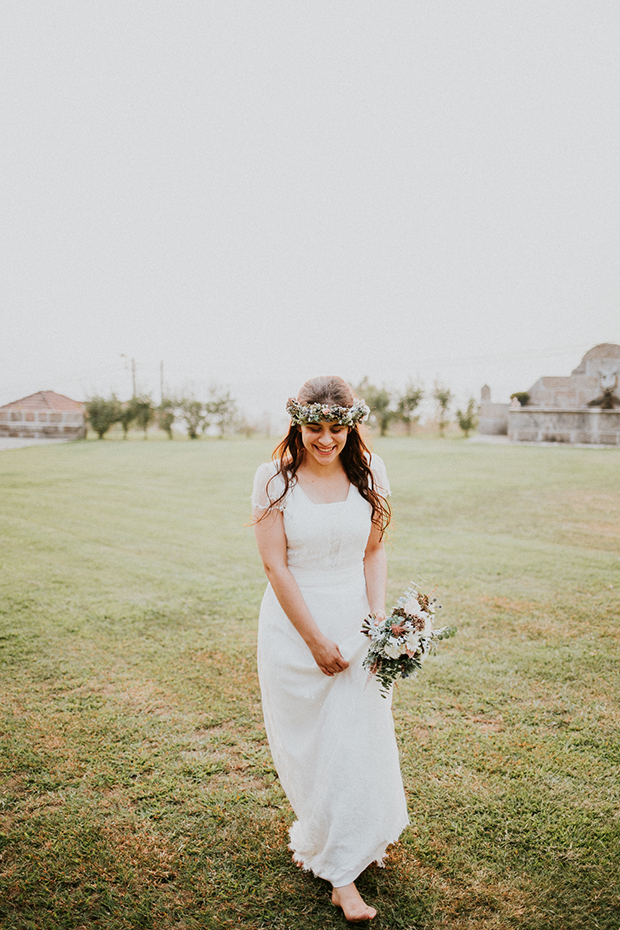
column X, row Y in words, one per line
column 583, row 407
column 45, row 415
column 492, row 418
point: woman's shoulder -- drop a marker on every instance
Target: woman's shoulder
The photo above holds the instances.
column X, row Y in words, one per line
column 268, row 485
column 379, row 475
column 268, row 469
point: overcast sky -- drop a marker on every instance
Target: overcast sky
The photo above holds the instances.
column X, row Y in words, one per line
column 259, row 192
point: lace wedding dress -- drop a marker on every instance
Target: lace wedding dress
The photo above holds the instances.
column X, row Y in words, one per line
column 332, row 739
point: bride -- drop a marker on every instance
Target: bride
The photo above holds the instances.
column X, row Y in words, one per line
column 320, row 511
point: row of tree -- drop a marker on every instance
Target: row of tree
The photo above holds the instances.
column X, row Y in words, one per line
column 387, row 407
column 220, row 411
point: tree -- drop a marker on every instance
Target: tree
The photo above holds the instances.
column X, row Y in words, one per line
column 127, row 416
column 194, row 413
column 407, row 404
column 166, row 413
column 468, row 419
column 102, row 413
column 379, row 400
column 222, row 408
column 443, row 397
column 144, row 411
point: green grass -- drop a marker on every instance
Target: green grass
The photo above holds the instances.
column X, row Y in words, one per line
column 137, row 786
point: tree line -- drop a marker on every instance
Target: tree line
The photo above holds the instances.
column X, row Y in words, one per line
column 220, row 411
column 387, row 407
column 140, row 411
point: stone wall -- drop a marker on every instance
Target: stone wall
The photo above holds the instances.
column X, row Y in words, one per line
column 41, row 424
column 576, row 424
column 493, row 419
column 573, row 391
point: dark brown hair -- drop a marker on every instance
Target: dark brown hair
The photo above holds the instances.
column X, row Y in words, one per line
column 355, row 456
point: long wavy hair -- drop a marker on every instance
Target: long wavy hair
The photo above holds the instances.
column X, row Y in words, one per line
column 355, row 456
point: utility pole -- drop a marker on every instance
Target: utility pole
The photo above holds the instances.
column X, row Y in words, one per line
column 133, row 371
column 161, row 380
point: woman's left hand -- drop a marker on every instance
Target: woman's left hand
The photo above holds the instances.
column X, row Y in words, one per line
column 327, row 656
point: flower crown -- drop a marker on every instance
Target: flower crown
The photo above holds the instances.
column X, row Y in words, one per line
column 314, row 413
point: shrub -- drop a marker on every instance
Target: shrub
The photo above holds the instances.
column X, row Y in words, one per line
column 144, row 411
column 407, row 404
column 222, row 409
column 443, row 397
column 379, row 400
column 102, row 413
column 126, row 417
column 195, row 415
column 166, row 413
column 468, row 419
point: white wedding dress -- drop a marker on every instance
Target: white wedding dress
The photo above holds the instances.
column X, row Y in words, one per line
column 332, row 739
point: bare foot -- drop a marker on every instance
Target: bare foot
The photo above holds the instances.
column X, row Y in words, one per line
column 353, row 907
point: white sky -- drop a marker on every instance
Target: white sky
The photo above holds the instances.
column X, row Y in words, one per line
column 259, row 192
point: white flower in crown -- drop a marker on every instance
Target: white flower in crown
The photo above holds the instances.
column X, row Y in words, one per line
column 333, row 413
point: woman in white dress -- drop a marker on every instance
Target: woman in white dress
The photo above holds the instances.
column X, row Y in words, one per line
column 320, row 512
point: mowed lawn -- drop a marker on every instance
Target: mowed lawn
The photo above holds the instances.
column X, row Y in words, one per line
column 137, row 785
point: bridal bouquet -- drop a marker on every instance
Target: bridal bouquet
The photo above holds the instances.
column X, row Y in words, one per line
column 400, row 643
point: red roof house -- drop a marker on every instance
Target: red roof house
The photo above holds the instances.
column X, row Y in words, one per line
column 44, row 415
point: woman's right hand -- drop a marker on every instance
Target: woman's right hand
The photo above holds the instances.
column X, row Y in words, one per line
column 328, row 657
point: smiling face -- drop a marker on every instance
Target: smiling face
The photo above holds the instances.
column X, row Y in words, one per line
column 324, row 441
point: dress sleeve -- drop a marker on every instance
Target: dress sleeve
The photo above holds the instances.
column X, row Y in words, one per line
column 262, row 496
column 380, row 477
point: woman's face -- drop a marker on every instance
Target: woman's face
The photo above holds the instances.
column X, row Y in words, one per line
column 324, row 441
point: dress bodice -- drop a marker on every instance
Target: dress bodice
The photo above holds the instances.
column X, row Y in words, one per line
column 325, row 537
column 320, row 538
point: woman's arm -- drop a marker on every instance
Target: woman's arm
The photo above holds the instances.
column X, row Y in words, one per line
column 375, row 571
column 271, row 540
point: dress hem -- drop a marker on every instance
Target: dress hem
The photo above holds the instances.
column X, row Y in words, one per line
column 345, row 878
